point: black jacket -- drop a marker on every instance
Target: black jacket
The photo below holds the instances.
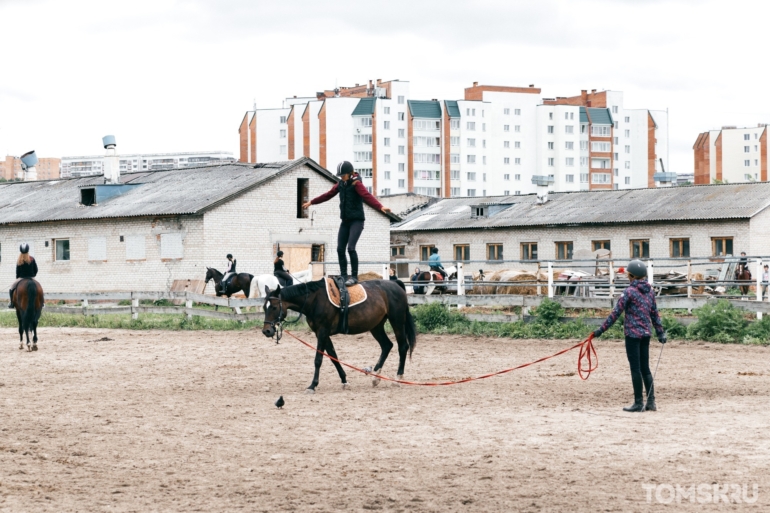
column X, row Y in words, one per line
column 351, row 202
column 232, row 269
column 278, row 265
column 27, row 270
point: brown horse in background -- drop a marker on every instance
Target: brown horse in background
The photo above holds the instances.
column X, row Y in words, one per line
column 742, row 273
column 28, row 300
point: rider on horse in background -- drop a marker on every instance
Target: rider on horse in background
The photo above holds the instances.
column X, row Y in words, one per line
column 229, row 273
column 353, row 194
column 26, row 268
column 638, row 304
column 435, row 263
column 743, row 263
column 280, row 271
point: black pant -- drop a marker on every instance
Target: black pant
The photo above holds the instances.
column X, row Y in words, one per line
column 349, row 233
column 439, row 270
column 284, row 278
column 638, row 352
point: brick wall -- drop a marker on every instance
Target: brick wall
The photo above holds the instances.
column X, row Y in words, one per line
column 247, row 227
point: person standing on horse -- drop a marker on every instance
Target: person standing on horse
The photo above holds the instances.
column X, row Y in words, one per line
column 229, row 273
column 435, row 263
column 26, row 268
column 353, row 195
column 638, row 303
column 280, row 271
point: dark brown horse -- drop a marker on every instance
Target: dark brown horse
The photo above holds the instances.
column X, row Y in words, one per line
column 238, row 283
column 28, row 300
column 742, row 273
column 386, row 301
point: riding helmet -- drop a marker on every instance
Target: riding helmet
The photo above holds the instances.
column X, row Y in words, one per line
column 637, row 269
column 345, row 168
column 24, row 248
column 279, row 254
column 229, row 255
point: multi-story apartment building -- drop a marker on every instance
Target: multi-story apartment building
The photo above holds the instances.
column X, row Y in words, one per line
column 491, row 142
column 47, row 168
column 74, row 167
column 731, row 154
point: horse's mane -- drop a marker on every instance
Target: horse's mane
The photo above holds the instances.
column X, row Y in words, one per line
column 302, row 289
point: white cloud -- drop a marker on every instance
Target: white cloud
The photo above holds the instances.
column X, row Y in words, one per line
column 168, row 75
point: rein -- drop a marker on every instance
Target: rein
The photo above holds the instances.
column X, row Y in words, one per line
column 277, row 325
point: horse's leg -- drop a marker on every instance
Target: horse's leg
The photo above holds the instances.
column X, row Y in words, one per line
column 378, row 332
column 322, row 337
column 403, row 348
column 331, row 352
column 21, row 329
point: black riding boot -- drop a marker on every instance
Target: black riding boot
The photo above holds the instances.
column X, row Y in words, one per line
column 353, row 268
column 10, row 305
column 636, row 379
column 649, row 387
column 343, row 260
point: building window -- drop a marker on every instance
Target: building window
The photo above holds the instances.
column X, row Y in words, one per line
column 550, row 145
column 614, row 109
column 365, row 172
column 386, row 125
column 517, row 128
column 550, row 115
column 471, row 159
column 747, row 163
column 283, row 119
column 401, row 167
column 569, row 145
column 601, row 178
column 470, row 125
column 583, row 145
column 517, row 177
column 484, row 160
column 627, row 133
column 746, row 137
column 425, row 252
column 506, row 160
column 282, row 149
column 600, row 244
column 387, row 175
column 627, row 180
column 454, row 158
column 506, row 177
column 583, row 177
column 362, row 139
column 471, row 143
column 470, row 112
column 401, row 133
column 454, row 141
column 721, row 246
column 483, row 127
column 628, row 149
column 506, row 144
column 387, row 158
column 517, row 145
column 454, row 191
column 617, row 171
column 551, row 161
column 529, row 250
column 563, row 251
column 640, row 248
column 282, row 134
column 171, row 247
column 471, row 192
column 506, row 193
column 401, row 100
column 569, row 178
column 386, row 141
column 494, row 251
column 462, row 252
column 569, row 129
column 362, row 156
column 386, row 110
column 471, row 177
column 401, row 116
column 601, row 146
column 601, row 130
column 550, row 129
column 507, row 112
column 454, row 124
column 385, row 192
column 517, row 161
column 364, row 121
column 680, row 248
column 506, row 128
column 62, row 249
column 303, row 196
column 628, row 119
column 402, row 150
column 569, row 161
column 401, row 183
column 396, row 251
column 454, row 174
column 517, row 112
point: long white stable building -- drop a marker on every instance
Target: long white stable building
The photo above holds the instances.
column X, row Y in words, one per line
column 491, row 142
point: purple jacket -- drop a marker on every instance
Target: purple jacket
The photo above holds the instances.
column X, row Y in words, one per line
column 638, row 301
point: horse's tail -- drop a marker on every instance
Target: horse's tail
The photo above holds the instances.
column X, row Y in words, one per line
column 411, row 331
column 28, row 319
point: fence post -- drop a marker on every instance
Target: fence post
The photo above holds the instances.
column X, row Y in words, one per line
column 134, row 306
column 650, row 271
column 537, row 278
column 612, row 279
column 689, row 278
column 386, row 272
column 759, row 286
column 460, row 279
column 188, row 305
column 550, row 279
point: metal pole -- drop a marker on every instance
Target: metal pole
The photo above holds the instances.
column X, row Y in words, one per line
column 759, row 285
column 550, row 279
column 689, row 278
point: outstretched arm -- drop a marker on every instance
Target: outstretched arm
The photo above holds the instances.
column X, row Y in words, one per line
column 323, row 197
column 368, row 198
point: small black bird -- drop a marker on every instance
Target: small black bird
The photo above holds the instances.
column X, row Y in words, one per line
column 279, row 403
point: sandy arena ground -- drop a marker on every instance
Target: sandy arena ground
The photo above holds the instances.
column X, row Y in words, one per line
column 184, row 421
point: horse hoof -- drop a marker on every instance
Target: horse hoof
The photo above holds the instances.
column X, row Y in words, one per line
column 21, row 346
column 345, row 386
column 309, row 391
column 29, row 349
column 375, row 382
column 34, row 347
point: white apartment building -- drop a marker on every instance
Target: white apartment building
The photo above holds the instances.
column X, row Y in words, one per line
column 732, row 155
column 492, row 142
column 75, row 167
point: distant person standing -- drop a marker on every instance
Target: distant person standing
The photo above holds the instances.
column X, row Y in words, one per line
column 765, row 281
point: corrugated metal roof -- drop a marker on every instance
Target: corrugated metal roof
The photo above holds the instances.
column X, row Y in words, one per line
column 692, row 203
column 600, row 116
column 452, row 109
column 174, row 192
column 583, row 115
column 425, row 109
column 365, row 107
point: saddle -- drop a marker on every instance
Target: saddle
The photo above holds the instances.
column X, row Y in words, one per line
column 343, row 298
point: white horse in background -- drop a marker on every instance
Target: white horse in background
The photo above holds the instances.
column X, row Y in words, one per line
column 259, row 283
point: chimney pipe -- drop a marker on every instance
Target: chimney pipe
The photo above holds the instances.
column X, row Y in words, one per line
column 28, row 163
column 111, row 162
column 475, row 84
column 531, row 85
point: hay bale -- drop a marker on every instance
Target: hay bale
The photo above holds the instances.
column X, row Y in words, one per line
column 369, row 276
column 527, row 289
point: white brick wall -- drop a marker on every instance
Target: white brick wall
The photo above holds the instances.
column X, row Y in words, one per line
column 247, row 226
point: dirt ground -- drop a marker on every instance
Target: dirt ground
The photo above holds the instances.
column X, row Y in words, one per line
column 184, row 421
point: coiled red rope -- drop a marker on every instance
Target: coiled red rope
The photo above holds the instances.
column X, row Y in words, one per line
column 587, row 355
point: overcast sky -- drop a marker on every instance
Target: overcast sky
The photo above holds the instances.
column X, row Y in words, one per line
column 169, row 76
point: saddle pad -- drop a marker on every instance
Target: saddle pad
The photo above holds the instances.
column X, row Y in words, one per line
column 357, row 293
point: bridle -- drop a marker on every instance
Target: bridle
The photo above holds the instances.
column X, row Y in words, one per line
column 277, row 324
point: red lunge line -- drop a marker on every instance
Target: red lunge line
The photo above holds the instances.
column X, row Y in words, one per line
column 587, row 352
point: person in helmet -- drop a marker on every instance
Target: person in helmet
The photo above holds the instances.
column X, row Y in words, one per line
column 26, row 267
column 280, row 271
column 229, row 273
column 638, row 303
column 353, row 195
column 434, row 261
